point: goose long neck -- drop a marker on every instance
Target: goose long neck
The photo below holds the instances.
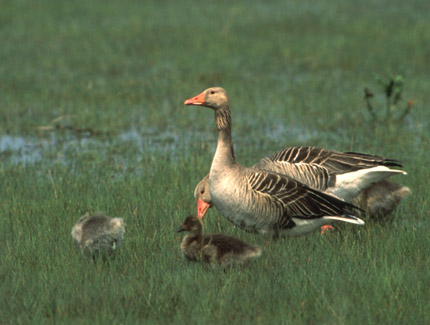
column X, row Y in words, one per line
column 224, row 154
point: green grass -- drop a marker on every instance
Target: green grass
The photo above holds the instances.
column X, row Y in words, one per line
column 295, row 73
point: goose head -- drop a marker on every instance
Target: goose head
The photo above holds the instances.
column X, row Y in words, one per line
column 203, row 197
column 191, row 224
column 214, row 97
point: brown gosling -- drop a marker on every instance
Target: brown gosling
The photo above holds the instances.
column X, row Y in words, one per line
column 214, row 248
column 98, row 234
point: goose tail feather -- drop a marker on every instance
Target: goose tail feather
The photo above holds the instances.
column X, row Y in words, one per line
column 347, row 218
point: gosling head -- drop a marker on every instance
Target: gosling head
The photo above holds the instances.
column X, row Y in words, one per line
column 191, row 224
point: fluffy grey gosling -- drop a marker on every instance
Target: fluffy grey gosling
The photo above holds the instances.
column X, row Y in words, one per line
column 98, row 234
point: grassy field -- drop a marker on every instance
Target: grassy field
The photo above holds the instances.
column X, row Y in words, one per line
column 92, row 119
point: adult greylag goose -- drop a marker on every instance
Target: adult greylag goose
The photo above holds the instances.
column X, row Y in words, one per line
column 258, row 200
column 98, row 234
column 214, row 248
column 376, row 201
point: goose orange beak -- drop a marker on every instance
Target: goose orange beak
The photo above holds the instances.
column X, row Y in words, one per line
column 197, row 100
column 202, row 207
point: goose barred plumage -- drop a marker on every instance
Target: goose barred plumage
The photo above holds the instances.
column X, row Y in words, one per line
column 377, row 201
column 344, row 174
column 335, row 162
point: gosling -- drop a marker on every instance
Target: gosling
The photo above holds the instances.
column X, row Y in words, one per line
column 215, row 249
column 98, row 234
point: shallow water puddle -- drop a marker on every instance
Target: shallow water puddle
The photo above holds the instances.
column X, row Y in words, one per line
column 59, row 148
column 136, row 144
column 20, row 149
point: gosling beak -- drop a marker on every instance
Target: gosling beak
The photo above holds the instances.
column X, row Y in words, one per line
column 197, row 100
column 181, row 228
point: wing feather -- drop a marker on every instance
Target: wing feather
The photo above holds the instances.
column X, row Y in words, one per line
column 317, row 177
column 294, row 198
column 335, row 162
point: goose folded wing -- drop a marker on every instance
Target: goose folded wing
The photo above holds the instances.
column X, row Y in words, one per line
column 296, row 199
column 307, row 155
column 335, row 162
column 356, row 160
column 315, row 176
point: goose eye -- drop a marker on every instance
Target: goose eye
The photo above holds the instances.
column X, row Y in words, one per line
column 212, row 92
column 202, row 191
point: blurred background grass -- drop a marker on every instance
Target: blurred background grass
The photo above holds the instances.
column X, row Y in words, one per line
column 92, row 119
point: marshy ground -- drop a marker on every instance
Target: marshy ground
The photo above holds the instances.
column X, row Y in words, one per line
column 92, row 119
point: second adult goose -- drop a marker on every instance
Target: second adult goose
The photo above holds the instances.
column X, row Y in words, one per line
column 377, row 201
column 258, row 200
column 355, row 177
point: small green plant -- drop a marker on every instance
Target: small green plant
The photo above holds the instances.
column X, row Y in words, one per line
column 392, row 89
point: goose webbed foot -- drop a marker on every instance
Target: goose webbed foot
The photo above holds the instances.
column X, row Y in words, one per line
column 326, row 229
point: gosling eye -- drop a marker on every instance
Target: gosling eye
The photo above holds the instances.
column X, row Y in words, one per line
column 202, row 191
column 212, row 92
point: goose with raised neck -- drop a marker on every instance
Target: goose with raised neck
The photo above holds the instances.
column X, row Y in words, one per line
column 261, row 201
